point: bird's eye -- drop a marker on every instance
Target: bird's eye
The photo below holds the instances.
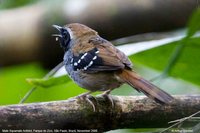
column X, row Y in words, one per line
column 65, row 34
column 65, row 38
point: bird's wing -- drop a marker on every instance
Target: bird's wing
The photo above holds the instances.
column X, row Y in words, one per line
column 103, row 56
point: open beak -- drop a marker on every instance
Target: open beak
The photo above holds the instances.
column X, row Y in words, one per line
column 57, row 35
column 57, row 27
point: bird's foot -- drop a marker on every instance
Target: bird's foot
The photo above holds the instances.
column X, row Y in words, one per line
column 89, row 98
column 107, row 96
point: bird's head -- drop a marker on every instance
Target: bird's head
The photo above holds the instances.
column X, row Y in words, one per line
column 72, row 32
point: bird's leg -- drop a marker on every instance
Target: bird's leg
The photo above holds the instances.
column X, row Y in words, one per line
column 105, row 94
column 86, row 96
column 83, row 95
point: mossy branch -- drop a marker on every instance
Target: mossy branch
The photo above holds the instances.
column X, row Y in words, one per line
column 128, row 112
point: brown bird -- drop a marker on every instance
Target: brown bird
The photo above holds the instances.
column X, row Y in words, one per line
column 97, row 65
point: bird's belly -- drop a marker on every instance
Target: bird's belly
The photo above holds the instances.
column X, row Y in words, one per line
column 99, row 81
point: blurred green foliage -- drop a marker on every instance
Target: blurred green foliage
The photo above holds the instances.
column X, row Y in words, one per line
column 6, row 4
column 188, row 65
column 52, row 81
column 194, row 23
column 13, row 83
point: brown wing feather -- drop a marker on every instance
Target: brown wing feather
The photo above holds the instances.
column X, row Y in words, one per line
column 108, row 57
column 111, row 56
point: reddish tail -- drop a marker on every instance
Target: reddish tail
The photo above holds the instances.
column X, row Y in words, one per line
column 142, row 85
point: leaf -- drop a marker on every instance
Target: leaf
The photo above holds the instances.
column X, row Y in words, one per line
column 52, row 81
column 194, row 23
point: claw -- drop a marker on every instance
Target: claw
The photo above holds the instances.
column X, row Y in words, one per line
column 110, row 99
column 88, row 97
column 106, row 95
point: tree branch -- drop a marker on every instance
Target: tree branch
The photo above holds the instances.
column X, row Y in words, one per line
column 128, row 112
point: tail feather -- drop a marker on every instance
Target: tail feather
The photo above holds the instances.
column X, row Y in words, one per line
column 142, row 85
